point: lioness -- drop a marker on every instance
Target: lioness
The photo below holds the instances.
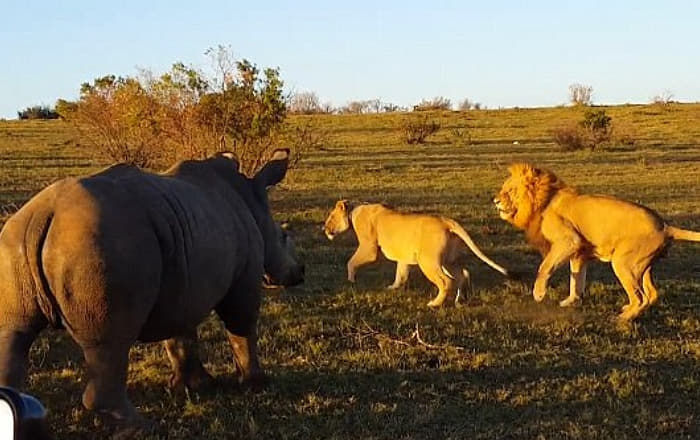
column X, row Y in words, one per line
column 567, row 226
column 433, row 243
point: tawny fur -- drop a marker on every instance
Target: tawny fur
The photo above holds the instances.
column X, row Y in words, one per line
column 567, row 226
column 433, row 243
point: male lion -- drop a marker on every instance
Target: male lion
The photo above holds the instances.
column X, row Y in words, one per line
column 565, row 225
column 433, row 243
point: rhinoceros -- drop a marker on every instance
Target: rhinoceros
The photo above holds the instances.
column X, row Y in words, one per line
column 124, row 255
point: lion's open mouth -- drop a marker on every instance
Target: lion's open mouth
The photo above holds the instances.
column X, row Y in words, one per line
column 330, row 235
column 502, row 210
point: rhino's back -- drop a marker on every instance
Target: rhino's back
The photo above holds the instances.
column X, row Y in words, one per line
column 126, row 254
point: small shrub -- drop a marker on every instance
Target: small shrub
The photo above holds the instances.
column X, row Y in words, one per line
column 417, row 130
column 461, row 136
column 663, row 98
column 570, row 137
column 37, row 112
column 598, row 125
column 593, row 130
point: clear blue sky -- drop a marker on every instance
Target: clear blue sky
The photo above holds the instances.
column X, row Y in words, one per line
column 500, row 53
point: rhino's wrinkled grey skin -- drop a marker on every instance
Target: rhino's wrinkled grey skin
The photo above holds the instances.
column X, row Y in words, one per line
column 124, row 256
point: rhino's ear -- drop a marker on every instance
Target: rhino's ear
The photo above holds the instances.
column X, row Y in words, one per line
column 229, row 155
column 275, row 169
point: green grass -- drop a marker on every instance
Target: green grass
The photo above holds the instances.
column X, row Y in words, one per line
column 344, row 360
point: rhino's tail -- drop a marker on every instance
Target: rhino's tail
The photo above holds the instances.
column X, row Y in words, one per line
column 37, row 229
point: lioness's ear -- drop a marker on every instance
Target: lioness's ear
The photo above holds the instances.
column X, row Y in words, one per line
column 342, row 205
column 275, row 169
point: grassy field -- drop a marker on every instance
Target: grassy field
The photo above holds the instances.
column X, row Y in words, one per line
column 346, row 362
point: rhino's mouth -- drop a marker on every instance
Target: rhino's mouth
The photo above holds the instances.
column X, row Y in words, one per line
column 267, row 283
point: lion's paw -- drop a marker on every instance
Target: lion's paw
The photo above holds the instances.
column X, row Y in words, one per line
column 571, row 301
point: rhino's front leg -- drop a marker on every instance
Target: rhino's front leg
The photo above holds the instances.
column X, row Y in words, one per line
column 245, row 352
column 188, row 371
column 239, row 311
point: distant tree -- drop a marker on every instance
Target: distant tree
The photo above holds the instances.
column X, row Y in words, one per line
column 580, row 94
column 388, row 107
column 467, row 104
column 437, row 103
column 305, row 103
column 37, row 112
column 663, row 98
column 356, row 107
column 327, row 108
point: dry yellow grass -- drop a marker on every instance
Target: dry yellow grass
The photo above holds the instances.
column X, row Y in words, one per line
column 344, row 360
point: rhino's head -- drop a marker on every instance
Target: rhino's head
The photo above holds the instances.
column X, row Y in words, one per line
column 282, row 267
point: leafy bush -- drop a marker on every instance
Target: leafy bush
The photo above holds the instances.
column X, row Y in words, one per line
column 151, row 121
column 598, row 126
column 417, row 130
column 37, row 112
column 594, row 129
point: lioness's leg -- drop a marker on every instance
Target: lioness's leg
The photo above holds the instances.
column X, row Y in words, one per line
column 577, row 281
column 649, row 288
column 364, row 254
column 559, row 253
column 433, row 271
column 187, row 367
column 402, row 271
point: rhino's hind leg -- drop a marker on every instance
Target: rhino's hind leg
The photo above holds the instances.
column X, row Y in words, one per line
column 105, row 392
column 14, row 354
column 188, row 371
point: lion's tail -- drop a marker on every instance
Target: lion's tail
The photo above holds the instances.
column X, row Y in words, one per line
column 459, row 231
column 682, row 234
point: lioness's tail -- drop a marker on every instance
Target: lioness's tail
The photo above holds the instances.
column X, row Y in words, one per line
column 459, row 231
column 682, row 234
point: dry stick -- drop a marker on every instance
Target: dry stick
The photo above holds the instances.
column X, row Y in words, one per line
column 370, row 332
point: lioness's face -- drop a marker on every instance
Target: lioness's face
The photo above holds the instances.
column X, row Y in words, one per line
column 338, row 220
column 507, row 199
